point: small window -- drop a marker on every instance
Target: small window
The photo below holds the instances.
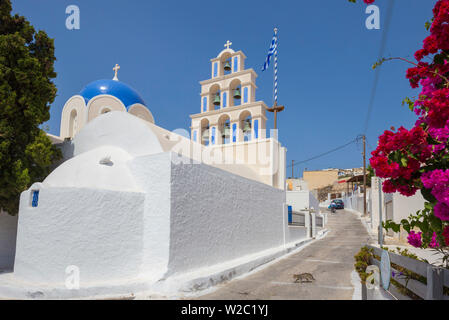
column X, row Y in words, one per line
column 215, row 70
column 245, row 95
column 34, row 198
column 205, row 104
column 236, row 64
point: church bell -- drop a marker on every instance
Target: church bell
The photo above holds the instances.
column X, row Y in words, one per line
column 217, row 100
column 247, row 126
column 226, row 130
column 205, row 136
column 227, row 66
column 237, row 94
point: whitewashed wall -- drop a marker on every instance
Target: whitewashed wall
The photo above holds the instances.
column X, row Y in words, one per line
column 8, row 232
column 217, row 217
column 187, row 216
column 300, row 200
column 99, row 231
column 404, row 206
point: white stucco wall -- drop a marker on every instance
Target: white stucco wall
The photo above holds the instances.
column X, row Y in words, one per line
column 404, row 206
column 100, row 231
column 302, row 199
column 217, row 216
column 8, row 232
column 185, row 217
column 153, row 174
column 119, row 129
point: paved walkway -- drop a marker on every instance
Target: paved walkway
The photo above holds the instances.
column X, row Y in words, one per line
column 330, row 260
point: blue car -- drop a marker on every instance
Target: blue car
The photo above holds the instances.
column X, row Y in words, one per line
column 339, row 204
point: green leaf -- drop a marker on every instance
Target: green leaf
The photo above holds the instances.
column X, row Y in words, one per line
column 26, row 89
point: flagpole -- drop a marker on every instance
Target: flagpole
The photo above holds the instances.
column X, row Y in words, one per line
column 274, row 68
column 275, row 109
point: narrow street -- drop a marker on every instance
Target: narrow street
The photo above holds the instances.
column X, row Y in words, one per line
column 330, row 261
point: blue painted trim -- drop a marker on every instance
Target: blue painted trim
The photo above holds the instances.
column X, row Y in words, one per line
column 204, row 104
column 245, row 95
column 225, row 100
column 212, row 139
column 215, row 69
column 35, row 200
column 256, row 129
column 234, row 132
column 236, row 64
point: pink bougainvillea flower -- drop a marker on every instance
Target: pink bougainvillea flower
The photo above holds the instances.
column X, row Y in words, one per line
column 415, row 239
column 441, row 211
column 434, row 243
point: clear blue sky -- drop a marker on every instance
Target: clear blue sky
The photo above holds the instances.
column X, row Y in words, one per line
column 325, row 59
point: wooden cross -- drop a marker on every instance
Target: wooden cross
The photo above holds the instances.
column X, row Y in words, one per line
column 116, row 69
column 228, row 44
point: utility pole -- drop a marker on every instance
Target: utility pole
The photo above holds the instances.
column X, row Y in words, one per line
column 293, row 167
column 364, row 175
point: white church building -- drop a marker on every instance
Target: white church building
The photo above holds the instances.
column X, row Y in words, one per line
column 134, row 207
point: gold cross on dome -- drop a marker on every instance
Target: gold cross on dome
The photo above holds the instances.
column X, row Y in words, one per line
column 116, row 69
column 228, row 44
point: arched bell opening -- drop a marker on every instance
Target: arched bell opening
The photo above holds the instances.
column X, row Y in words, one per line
column 73, row 123
column 246, row 125
column 215, row 97
column 224, row 125
column 226, row 63
column 236, row 92
column 205, row 132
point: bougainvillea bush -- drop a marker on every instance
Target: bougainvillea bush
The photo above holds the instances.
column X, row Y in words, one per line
column 418, row 159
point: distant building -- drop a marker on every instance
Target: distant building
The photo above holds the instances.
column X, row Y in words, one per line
column 296, row 185
column 319, row 179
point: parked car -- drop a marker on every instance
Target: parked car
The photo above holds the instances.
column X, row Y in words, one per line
column 339, row 203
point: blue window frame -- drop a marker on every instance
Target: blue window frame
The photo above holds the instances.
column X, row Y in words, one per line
column 204, row 104
column 245, row 95
column 256, row 129
column 215, row 69
column 225, row 99
column 234, row 132
column 35, row 199
column 236, row 64
column 212, row 139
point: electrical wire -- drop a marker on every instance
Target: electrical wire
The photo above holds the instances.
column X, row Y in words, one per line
column 325, row 153
column 377, row 71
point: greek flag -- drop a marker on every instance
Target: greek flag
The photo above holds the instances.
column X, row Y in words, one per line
column 271, row 51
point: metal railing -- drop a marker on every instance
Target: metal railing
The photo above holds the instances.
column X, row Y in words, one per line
column 297, row 219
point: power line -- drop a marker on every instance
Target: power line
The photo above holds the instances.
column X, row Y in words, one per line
column 325, row 153
column 380, row 56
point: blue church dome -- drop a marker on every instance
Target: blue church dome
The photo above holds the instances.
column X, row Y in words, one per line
column 115, row 88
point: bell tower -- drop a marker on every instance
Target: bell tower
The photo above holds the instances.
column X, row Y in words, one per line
column 229, row 112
